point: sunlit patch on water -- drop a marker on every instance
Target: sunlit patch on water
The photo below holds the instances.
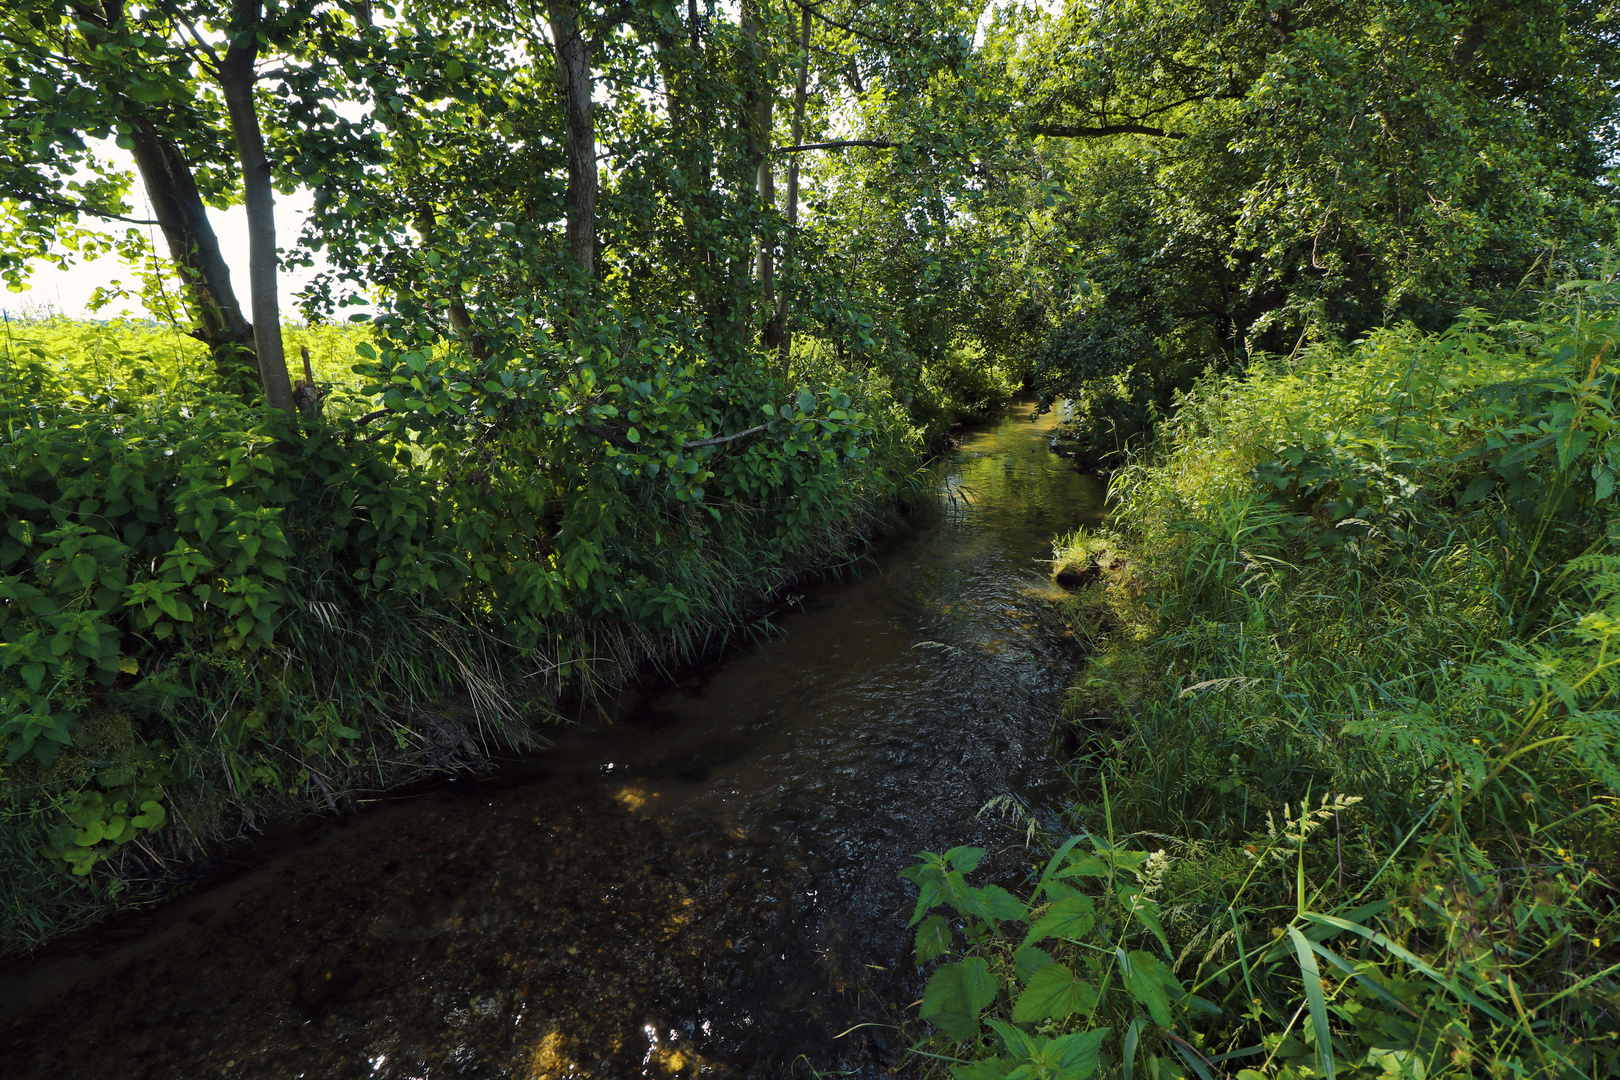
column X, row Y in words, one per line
column 632, row 798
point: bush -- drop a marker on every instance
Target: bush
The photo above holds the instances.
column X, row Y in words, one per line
column 209, row 613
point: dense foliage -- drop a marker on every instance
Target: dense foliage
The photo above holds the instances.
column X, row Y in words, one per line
column 1281, row 173
column 1346, row 772
column 1345, row 779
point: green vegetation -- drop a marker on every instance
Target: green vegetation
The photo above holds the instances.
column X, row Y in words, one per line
column 610, row 395
column 1346, row 783
column 213, row 614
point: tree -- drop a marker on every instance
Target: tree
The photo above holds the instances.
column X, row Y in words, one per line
column 1239, row 177
column 156, row 82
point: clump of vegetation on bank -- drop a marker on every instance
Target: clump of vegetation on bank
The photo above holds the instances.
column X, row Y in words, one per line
column 1346, row 787
column 213, row 614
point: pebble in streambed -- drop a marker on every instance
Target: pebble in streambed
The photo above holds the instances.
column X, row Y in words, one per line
column 493, row 939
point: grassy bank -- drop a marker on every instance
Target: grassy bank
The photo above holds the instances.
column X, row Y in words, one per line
column 1344, row 756
column 212, row 618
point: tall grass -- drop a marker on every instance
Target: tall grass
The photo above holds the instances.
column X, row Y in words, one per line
column 208, row 622
column 1355, row 689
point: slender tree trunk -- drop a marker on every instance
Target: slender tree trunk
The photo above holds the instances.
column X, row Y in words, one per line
column 574, row 76
column 236, row 78
column 800, row 85
column 757, row 125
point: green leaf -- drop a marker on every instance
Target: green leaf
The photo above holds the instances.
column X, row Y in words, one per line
column 1150, row 982
column 152, row 816
column 1146, row 911
column 994, row 1068
column 1312, row 977
column 992, row 902
column 1054, row 992
column 1071, row 918
column 964, row 859
column 956, row 995
column 1027, row 960
column 1477, row 489
column 1076, row 1055
column 933, row 939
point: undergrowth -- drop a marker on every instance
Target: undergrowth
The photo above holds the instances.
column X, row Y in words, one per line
column 1346, row 779
column 212, row 615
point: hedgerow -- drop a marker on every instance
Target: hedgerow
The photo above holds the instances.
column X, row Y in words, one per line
column 211, row 614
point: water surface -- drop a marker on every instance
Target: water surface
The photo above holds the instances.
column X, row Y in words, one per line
column 705, row 886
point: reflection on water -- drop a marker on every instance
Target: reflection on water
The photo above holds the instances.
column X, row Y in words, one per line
column 706, row 887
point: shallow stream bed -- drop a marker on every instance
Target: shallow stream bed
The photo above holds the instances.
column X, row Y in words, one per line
column 705, row 886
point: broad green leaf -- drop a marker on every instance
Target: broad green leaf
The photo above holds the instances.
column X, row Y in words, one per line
column 1053, row 992
column 933, row 939
column 993, row 1068
column 1077, row 1054
column 1150, row 982
column 1027, row 960
column 152, row 816
column 1072, row 918
column 956, row 995
column 991, row 902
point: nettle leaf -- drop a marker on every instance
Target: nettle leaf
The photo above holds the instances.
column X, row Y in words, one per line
column 985, row 1069
column 1053, row 992
column 933, row 939
column 956, row 995
column 1144, row 909
column 991, row 902
column 1072, row 918
column 964, row 859
column 1151, row 983
column 1075, row 1056
column 1027, row 960
column 1086, row 866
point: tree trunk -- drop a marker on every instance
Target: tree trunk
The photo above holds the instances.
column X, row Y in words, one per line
column 194, row 247
column 172, row 191
column 757, row 125
column 236, row 78
column 574, row 76
column 796, row 137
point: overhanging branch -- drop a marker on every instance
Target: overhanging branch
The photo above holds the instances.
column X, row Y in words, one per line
column 81, row 208
column 1083, row 131
column 839, row 144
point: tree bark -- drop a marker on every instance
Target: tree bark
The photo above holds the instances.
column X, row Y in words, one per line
column 796, row 133
column 178, row 207
column 194, row 247
column 757, row 125
column 236, row 79
column 573, row 55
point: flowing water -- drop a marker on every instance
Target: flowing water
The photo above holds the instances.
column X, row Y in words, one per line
column 705, row 886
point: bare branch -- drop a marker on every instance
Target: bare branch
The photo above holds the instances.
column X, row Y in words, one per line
column 848, row 29
column 1073, row 131
column 722, row 439
column 881, row 144
column 81, row 208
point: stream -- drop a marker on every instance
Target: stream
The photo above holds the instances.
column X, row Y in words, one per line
column 705, row 886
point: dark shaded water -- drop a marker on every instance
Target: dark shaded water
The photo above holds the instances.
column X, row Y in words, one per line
column 706, row 887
